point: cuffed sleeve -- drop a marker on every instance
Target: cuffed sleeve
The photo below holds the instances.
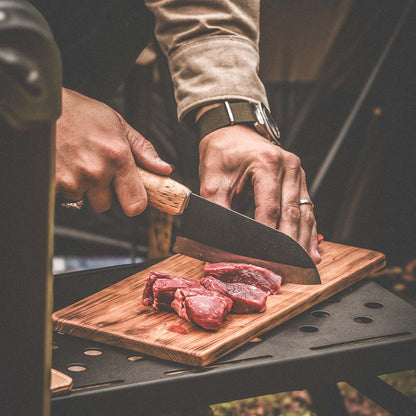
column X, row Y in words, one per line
column 212, row 50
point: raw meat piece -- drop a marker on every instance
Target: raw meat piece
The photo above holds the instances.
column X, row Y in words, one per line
column 320, row 238
column 209, row 312
column 246, row 298
column 148, row 290
column 262, row 278
column 203, row 307
column 164, row 290
column 178, row 303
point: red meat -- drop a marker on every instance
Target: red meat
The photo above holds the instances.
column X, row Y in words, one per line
column 262, row 278
column 148, row 290
column 246, row 298
column 160, row 289
column 164, row 291
column 203, row 307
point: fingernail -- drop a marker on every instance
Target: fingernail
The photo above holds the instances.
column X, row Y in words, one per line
column 317, row 255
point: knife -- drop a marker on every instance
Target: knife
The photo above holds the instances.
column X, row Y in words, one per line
column 212, row 233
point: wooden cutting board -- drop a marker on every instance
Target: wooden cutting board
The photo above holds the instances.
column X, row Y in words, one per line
column 117, row 316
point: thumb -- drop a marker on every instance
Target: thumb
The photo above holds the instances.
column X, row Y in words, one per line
column 145, row 154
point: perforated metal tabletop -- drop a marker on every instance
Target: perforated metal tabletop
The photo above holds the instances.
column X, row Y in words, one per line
column 362, row 332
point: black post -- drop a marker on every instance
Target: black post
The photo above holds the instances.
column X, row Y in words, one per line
column 385, row 395
column 30, row 99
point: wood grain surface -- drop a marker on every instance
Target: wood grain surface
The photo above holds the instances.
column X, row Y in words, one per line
column 164, row 193
column 117, row 316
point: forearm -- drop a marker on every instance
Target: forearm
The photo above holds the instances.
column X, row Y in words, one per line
column 212, row 49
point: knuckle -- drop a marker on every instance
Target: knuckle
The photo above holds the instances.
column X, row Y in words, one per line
column 135, row 140
column 147, row 146
column 93, row 175
column 291, row 213
column 69, row 187
column 117, row 152
column 270, row 155
column 139, row 143
column 309, row 219
column 209, row 189
column 272, row 210
column 293, row 162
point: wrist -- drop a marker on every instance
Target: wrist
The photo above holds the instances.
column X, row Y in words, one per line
column 229, row 113
column 204, row 109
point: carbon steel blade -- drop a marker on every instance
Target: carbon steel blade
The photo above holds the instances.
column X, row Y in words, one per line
column 290, row 274
column 213, row 233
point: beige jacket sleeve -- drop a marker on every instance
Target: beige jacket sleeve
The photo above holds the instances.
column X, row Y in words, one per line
column 212, row 49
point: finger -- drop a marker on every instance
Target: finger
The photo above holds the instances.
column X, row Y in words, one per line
column 99, row 198
column 290, row 216
column 314, row 246
column 267, row 187
column 145, row 154
column 129, row 189
column 307, row 218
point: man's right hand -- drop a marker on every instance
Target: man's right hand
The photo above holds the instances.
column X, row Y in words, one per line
column 95, row 150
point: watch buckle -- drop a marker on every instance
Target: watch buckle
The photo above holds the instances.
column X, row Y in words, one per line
column 229, row 112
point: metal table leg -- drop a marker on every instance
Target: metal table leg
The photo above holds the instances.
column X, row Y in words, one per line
column 327, row 400
column 386, row 396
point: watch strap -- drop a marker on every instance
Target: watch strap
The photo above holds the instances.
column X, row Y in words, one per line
column 227, row 114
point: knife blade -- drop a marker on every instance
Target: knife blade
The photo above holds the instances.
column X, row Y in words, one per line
column 212, row 233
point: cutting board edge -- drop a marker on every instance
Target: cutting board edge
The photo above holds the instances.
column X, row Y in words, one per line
column 126, row 342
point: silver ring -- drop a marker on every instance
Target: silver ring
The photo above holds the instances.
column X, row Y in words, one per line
column 305, row 202
column 76, row 206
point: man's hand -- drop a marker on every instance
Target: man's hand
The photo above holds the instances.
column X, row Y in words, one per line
column 96, row 150
column 231, row 156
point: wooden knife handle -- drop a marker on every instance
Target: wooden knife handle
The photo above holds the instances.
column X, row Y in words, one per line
column 164, row 193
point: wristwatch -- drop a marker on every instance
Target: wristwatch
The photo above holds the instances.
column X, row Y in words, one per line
column 240, row 112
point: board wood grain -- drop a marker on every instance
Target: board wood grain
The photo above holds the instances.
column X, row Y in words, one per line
column 116, row 315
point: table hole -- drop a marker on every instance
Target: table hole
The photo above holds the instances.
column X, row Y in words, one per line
column 93, row 352
column 308, row 328
column 334, row 299
column 255, row 340
column 134, row 358
column 363, row 319
column 55, row 346
column 77, row 368
column 321, row 314
column 373, row 305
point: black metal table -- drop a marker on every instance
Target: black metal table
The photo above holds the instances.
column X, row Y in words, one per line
column 355, row 336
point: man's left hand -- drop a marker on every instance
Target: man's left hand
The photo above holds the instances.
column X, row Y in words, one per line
column 231, row 156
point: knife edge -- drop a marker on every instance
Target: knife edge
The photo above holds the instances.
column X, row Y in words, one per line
column 290, row 274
